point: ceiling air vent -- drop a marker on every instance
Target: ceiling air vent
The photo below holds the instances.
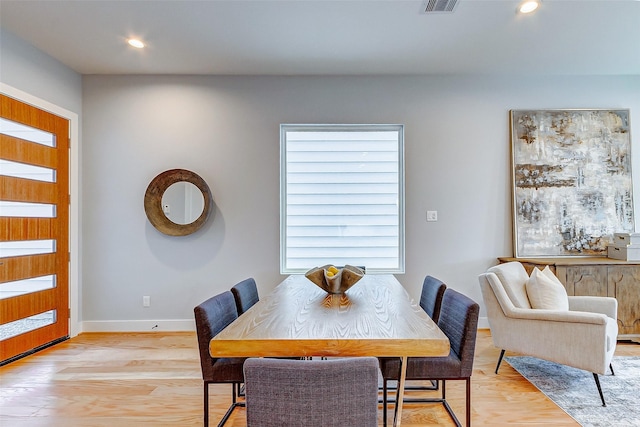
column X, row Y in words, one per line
column 439, row 6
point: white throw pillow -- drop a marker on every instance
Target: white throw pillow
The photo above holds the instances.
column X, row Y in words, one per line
column 545, row 291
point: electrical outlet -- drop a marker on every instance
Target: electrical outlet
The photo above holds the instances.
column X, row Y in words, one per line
column 146, row 301
column 432, row 216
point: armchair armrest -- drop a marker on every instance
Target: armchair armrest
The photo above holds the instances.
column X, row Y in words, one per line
column 604, row 305
column 513, row 312
column 558, row 316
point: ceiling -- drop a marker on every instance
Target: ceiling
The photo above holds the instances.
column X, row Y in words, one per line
column 331, row 37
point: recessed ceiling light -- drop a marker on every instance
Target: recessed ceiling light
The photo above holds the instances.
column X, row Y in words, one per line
column 528, row 6
column 136, row 43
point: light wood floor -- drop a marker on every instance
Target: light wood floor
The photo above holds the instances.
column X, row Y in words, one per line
column 153, row 379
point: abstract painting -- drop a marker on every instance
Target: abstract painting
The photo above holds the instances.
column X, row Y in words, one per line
column 572, row 184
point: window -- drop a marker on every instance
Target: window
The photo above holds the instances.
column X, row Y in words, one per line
column 342, row 197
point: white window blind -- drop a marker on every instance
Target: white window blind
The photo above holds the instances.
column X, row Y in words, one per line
column 342, row 192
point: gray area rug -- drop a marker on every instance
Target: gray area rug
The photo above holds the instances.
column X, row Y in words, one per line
column 575, row 391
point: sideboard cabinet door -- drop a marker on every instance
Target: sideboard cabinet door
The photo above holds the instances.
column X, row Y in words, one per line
column 587, row 280
column 624, row 284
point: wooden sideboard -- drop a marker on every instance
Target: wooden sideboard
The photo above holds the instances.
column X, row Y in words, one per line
column 599, row 277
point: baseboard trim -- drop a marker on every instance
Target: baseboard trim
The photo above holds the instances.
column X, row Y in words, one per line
column 483, row 323
column 174, row 325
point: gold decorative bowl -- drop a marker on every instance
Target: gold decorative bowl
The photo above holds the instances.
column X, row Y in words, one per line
column 339, row 283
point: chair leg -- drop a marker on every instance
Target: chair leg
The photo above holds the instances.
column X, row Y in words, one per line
column 240, row 389
column 384, row 402
column 227, row 414
column 499, row 361
column 468, row 402
column 611, row 367
column 435, row 385
column 443, row 400
column 595, row 376
column 234, row 404
column 206, row 404
column 446, row 404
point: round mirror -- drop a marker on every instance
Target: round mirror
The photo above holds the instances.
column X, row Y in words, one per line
column 182, row 203
column 177, row 202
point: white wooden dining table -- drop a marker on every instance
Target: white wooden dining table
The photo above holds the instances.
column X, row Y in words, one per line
column 376, row 317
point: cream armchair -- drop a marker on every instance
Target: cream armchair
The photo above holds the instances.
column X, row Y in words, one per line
column 583, row 337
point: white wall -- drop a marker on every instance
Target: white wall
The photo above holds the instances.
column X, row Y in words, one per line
column 226, row 129
column 24, row 67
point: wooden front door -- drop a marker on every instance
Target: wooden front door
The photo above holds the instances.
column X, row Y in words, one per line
column 34, row 228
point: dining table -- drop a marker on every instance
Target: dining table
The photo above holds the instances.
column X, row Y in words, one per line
column 375, row 317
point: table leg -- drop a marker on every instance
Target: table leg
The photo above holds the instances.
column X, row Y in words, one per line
column 397, row 417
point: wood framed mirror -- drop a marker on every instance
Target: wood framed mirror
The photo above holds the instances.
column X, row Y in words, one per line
column 178, row 202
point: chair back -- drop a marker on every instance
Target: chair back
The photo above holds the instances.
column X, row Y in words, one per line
column 431, row 296
column 245, row 294
column 212, row 316
column 312, row 393
column 459, row 322
column 513, row 277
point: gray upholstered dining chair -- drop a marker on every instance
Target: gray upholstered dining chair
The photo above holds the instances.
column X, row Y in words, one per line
column 459, row 322
column 312, row 393
column 212, row 316
column 431, row 296
column 245, row 294
column 430, row 301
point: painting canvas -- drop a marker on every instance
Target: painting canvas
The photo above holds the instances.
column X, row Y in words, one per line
column 572, row 185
